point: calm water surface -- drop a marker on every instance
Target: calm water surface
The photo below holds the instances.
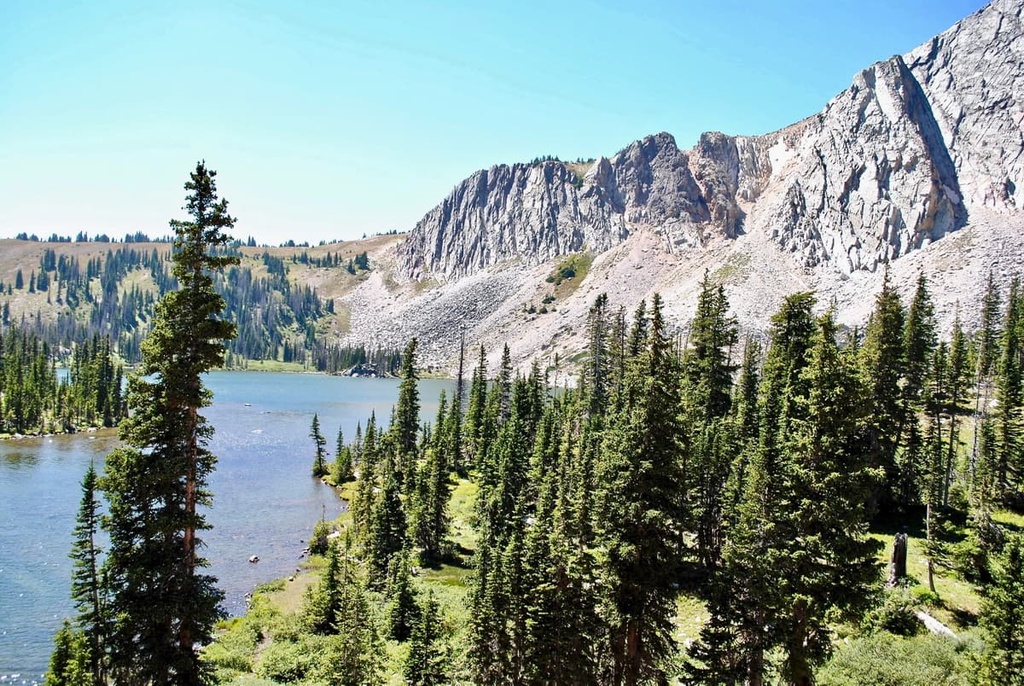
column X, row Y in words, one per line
column 265, row 502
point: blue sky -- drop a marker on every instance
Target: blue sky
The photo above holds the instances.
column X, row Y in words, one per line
column 329, row 120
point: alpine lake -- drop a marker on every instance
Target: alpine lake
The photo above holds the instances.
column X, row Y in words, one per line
column 265, row 501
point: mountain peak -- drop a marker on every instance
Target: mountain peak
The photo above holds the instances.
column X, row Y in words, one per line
column 897, row 160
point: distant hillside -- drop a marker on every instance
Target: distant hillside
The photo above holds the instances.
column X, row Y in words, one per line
column 68, row 291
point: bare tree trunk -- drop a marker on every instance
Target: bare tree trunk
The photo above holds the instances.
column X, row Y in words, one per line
column 928, row 529
column 898, row 560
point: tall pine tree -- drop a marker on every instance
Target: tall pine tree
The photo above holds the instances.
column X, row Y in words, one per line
column 162, row 604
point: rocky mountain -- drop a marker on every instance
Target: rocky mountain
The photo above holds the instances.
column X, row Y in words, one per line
column 917, row 163
column 897, row 160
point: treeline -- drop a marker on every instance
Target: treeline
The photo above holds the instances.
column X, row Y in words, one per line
column 334, row 358
column 354, row 264
column 35, row 399
column 747, row 475
column 83, row 237
column 115, row 295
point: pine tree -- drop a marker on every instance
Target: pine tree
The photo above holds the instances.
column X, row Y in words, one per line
column 642, row 511
column 1010, row 394
column 831, row 566
column 69, row 662
column 959, row 379
column 402, row 605
column 86, row 586
column 341, row 471
column 596, row 377
column 882, row 358
column 707, row 392
column 454, row 425
column 477, row 431
column 320, row 443
column 426, row 664
column 163, row 606
column 387, row 530
column 504, row 386
column 430, row 510
column 919, row 341
column 322, row 605
column 407, row 415
column 746, row 603
column 352, row 653
column 1002, row 617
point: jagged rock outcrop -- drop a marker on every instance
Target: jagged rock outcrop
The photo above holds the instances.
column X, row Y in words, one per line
column 973, row 77
column 535, row 212
column 866, row 180
column 894, row 162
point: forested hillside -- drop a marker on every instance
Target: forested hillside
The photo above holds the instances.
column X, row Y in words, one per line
column 66, row 292
column 707, row 511
column 34, row 398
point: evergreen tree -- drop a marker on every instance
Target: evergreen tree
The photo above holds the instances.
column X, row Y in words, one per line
column 454, row 426
column 352, row 652
column 707, row 391
column 504, row 386
column 1002, row 617
column 478, row 432
column 882, row 358
column 831, row 567
column 403, row 609
column 387, row 530
column 988, row 333
column 430, row 511
column 959, row 378
column 86, row 586
column 70, row 660
column 747, row 604
column 596, row 377
column 163, row 607
column 642, row 511
column 407, row 415
column 919, row 341
column 341, row 471
column 1010, row 394
column 426, row 664
column 322, row 606
column 320, row 443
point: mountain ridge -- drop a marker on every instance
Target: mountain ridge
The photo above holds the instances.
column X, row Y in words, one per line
column 802, row 183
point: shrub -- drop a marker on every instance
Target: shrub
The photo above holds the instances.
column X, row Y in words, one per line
column 318, row 542
column 884, row 660
column 284, row 661
column 895, row 614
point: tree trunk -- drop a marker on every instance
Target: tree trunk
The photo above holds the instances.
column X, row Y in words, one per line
column 928, row 529
column 898, row 560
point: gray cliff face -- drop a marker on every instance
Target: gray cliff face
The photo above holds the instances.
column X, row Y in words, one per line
column 897, row 160
column 973, row 77
column 866, row 180
column 536, row 212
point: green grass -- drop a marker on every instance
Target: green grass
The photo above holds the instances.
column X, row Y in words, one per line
column 959, row 602
column 691, row 615
column 460, row 507
column 578, row 265
column 1013, row 521
column 274, row 366
column 735, row 269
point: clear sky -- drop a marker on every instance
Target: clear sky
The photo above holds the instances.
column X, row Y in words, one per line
column 333, row 119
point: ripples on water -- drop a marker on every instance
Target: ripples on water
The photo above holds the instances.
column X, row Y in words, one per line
column 265, row 502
